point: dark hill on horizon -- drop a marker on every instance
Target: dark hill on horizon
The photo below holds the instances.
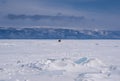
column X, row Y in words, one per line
column 53, row 33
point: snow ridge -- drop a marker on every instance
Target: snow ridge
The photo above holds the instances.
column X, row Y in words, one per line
column 53, row 33
column 83, row 69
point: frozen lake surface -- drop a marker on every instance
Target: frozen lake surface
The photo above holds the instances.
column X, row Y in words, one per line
column 68, row 60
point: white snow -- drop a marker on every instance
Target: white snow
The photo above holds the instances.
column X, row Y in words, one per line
column 50, row 60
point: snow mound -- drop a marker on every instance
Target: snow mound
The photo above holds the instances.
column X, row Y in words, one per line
column 90, row 62
column 69, row 65
column 77, row 65
column 84, row 69
column 93, row 62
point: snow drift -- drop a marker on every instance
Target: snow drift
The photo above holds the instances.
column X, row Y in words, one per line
column 85, row 69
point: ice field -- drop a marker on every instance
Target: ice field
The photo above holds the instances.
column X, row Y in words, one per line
column 68, row 60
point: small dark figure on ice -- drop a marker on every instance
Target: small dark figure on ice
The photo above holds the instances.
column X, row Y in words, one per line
column 59, row 40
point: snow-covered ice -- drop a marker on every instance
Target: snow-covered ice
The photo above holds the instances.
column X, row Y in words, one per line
column 68, row 60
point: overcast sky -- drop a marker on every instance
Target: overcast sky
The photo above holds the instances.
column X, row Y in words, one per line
column 79, row 14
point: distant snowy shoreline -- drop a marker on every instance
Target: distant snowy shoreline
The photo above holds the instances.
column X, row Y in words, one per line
column 54, row 33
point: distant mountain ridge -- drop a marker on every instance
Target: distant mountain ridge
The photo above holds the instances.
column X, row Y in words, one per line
column 53, row 33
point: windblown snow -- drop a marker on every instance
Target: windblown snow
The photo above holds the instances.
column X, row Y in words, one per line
column 68, row 60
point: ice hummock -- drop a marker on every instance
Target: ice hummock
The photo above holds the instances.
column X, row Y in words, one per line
column 85, row 69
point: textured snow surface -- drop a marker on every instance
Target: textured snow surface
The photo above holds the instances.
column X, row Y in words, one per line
column 50, row 60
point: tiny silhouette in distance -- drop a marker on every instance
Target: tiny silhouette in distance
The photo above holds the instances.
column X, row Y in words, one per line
column 59, row 40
